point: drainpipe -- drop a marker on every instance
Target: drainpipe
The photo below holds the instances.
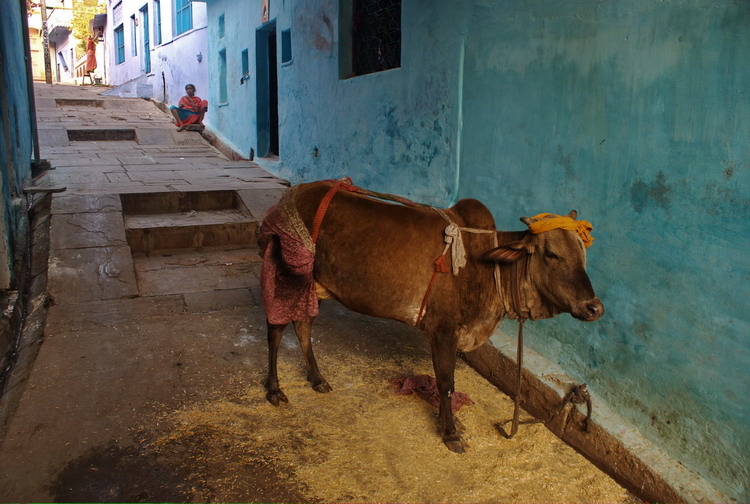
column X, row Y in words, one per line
column 30, row 82
column 45, row 44
column 459, row 119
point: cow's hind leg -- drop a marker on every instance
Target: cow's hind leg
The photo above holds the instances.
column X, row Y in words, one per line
column 273, row 391
column 303, row 328
column 444, row 363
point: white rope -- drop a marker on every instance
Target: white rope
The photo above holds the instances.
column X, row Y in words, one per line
column 454, row 240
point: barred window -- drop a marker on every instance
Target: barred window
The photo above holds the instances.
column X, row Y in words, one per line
column 117, row 14
column 376, row 36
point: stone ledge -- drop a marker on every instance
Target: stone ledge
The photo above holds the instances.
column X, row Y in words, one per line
column 625, row 455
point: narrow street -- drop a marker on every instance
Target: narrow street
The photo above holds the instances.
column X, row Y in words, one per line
column 148, row 383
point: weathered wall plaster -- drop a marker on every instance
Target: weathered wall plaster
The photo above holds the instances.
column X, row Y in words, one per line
column 15, row 141
column 392, row 131
column 636, row 114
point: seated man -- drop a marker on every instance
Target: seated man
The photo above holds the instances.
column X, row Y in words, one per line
column 191, row 109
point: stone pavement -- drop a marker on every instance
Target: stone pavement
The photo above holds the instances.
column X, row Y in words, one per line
column 154, row 319
column 122, row 317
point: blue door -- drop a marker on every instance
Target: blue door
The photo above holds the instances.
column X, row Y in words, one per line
column 146, row 40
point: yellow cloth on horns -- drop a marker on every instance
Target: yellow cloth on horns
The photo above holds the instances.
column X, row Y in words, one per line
column 547, row 221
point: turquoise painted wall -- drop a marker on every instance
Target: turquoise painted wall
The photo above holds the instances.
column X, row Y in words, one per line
column 638, row 115
column 392, row 131
column 635, row 113
column 234, row 121
column 15, row 134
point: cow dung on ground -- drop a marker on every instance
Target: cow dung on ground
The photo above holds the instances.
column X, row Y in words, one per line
column 363, row 443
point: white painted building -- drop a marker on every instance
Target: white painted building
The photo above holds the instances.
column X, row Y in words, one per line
column 156, row 47
column 62, row 43
column 67, row 58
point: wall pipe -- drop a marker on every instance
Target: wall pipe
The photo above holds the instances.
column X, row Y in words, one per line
column 30, row 82
column 459, row 119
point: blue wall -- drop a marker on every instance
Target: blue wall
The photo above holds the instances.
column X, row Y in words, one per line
column 392, row 131
column 15, row 133
column 636, row 113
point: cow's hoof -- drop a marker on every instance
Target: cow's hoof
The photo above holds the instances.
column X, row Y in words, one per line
column 455, row 445
column 276, row 397
column 322, row 387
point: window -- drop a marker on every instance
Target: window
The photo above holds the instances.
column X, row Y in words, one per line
column 183, row 16
column 119, row 44
column 61, row 59
column 133, row 37
column 117, row 14
column 157, row 12
column 286, row 46
column 376, row 36
column 223, row 76
column 221, row 26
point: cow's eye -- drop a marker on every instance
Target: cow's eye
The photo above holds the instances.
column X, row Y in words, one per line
column 551, row 255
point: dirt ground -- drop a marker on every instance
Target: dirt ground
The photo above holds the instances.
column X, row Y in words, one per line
column 212, row 437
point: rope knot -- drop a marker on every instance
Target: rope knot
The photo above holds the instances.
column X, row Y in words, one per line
column 440, row 265
column 453, row 240
column 452, row 232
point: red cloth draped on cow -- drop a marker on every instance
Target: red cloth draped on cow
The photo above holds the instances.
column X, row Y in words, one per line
column 288, row 257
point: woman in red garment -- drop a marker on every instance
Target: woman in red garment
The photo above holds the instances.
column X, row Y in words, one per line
column 191, row 109
column 90, row 54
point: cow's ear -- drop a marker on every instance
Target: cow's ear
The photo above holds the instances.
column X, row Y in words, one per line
column 573, row 214
column 508, row 253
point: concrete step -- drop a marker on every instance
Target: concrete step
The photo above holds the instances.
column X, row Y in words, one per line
column 182, row 220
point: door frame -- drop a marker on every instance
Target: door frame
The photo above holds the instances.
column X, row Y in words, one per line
column 263, row 86
column 146, row 39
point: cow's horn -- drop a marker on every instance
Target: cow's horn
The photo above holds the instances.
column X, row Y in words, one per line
column 526, row 220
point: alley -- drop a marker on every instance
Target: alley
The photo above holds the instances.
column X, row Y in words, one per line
column 148, row 383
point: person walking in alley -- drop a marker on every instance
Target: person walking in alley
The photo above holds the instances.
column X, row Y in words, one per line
column 190, row 109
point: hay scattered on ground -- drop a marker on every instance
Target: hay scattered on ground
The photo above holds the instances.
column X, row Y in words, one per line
column 363, row 443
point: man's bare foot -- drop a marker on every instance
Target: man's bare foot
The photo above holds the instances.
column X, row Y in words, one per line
column 181, row 128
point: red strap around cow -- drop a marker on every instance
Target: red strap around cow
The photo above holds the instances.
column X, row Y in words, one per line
column 440, row 267
column 344, row 183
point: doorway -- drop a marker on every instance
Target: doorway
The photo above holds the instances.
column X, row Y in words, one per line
column 267, row 90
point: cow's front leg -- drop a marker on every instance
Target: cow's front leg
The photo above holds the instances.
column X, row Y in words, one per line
column 444, row 363
column 303, row 328
column 273, row 391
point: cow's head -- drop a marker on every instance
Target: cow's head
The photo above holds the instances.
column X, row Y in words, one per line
column 557, row 279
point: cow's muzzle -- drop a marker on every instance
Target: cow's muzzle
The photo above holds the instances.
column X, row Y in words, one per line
column 590, row 310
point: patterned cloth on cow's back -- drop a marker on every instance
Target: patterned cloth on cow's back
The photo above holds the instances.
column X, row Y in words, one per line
column 288, row 254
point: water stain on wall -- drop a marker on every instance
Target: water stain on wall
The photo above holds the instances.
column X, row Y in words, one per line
column 657, row 193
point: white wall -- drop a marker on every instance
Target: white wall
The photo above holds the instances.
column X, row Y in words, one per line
column 174, row 62
column 63, row 66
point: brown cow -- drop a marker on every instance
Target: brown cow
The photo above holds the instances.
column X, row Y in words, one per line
column 377, row 258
